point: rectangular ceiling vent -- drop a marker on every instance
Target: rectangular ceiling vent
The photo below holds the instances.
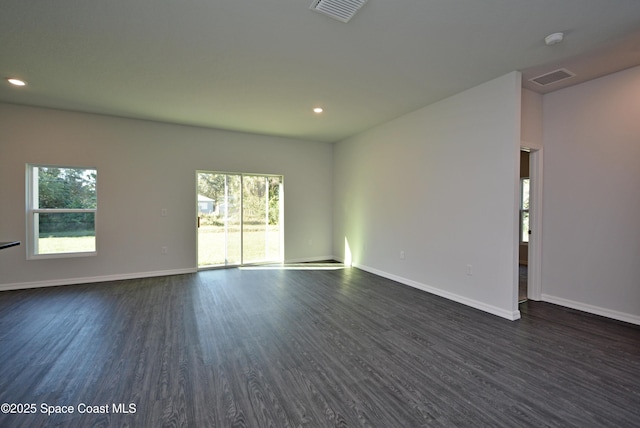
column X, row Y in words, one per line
column 342, row 10
column 552, row 77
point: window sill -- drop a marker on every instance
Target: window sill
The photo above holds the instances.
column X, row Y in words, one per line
column 61, row 255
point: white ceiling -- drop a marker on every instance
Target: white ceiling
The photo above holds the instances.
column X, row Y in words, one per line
column 261, row 65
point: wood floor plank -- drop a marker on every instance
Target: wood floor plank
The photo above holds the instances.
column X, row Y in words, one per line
column 306, row 348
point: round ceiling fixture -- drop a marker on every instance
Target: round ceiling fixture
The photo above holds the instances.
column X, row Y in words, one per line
column 553, row 39
column 318, row 110
column 16, row 82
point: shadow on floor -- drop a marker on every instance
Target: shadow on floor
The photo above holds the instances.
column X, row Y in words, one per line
column 522, row 283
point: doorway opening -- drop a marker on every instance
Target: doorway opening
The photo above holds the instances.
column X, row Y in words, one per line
column 524, row 229
column 530, row 250
column 240, row 219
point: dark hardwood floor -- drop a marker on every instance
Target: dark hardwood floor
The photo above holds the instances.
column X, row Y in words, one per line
column 312, row 348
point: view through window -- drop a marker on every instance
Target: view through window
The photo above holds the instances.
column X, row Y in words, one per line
column 524, row 210
column 62, row 207
column 240, row 219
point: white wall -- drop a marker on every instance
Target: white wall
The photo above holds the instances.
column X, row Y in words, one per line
column 531, row 120
column 440, row 184
column 144, row 167
column 591, row 233
column 531, row 139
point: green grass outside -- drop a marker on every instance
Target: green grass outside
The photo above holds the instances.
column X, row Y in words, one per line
column 66, row 244
column 259, row 245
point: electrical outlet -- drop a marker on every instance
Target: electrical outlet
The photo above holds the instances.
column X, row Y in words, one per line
column 163, row 212
column 164, row 250
column 401, row 255
column 469, row 270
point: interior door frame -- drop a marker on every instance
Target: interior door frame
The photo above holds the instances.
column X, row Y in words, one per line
column 534, row 260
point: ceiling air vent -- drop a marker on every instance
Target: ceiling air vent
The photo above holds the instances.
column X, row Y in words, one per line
column 552, row 77
column 342, row 10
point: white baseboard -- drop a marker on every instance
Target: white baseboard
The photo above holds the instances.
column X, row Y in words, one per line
column 620, row 316
column 92, row 279
column 511, row 316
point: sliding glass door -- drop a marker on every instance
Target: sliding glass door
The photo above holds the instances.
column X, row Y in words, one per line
column 219, row 219
column 239, row 219
column 261, row 223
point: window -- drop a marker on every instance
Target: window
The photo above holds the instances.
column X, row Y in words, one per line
column 524, row 210
column 61, row 211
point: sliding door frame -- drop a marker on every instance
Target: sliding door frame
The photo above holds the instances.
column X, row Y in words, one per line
column 242, row 176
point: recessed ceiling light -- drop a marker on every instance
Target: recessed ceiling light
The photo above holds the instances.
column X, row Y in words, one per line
column 16, row 82
column 318, row 110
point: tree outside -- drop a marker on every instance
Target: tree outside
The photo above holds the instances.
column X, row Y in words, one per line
column 67, row 189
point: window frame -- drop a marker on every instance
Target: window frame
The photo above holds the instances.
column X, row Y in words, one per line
column 32, row 195
column 523, row 210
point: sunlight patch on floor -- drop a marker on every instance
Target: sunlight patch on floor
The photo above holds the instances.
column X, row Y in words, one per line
column 296, row 266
